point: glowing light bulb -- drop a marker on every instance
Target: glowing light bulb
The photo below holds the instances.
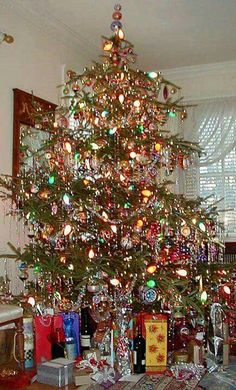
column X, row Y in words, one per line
column 91, row 254
column 202, row 226
column 112, row 131
column 107, row 45
column 121, row 34
column 67, row 230
column 66, row 199
column 152, row 75
column 172, row 114
column 203, row 297
column 146, row 193
column 115, row 282
column 114, row 228
column 151, row 283
column 105, row 113
column 121, row 99
column 94, row 146
column 137, row 103
column 68, row 147
column 227, row 290
column 158, row 147
column 63, row 259
column 51, row 179
column 151, row 268
column 181, row 272
column 140, row 223
column 31, row 301
column 105, row 216
column 133, row 154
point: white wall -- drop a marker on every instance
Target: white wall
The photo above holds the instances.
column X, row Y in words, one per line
column 205, row 81
column 33, row 62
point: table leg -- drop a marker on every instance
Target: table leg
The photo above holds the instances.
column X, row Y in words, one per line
column 20, row 342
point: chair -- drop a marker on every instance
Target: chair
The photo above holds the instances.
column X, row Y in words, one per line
column 10, row 314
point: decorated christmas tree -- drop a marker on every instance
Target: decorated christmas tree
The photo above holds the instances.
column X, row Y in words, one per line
column 96, row 196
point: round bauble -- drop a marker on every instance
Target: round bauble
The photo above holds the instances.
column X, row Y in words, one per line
column 93, row 288
column 126, row 242
column 185, row 231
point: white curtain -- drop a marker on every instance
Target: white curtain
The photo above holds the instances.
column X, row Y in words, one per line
column 213, row 125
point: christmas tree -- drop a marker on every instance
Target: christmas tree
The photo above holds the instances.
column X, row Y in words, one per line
column 97, row 199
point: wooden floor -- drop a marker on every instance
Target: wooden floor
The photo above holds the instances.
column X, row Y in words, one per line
column 39, row 386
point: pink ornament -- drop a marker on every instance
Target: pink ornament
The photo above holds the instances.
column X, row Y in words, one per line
column 165, row 92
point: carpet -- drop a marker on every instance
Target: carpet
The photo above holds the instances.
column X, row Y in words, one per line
column 152, row 382
column 18, row 381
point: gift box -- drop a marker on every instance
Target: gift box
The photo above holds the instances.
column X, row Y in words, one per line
column 106, row 378
column 196, row 351
column 72, row 319
column 156, row 344
column 225, row 354
column 181, row 357
column 56, row 372
column 82, row 377
column 42, row 331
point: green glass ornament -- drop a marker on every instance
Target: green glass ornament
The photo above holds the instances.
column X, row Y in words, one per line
column 151, row 283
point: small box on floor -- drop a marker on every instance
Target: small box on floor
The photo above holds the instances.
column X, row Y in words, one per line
column 82, row 377
column 56, row 372
column 196, row 352
column 225, row 354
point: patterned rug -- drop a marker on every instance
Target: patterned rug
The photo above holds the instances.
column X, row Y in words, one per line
column 152, row 382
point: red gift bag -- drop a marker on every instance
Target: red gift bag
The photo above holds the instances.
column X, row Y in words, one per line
column 57, row 322
column 42, row 331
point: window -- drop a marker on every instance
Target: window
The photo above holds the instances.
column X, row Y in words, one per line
column 213, row 175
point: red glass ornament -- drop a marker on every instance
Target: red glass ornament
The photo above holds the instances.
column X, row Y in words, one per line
column 117, row 15
column 165, row 92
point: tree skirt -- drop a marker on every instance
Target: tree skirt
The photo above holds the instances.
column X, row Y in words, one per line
column 18, row 381
column 153, row 382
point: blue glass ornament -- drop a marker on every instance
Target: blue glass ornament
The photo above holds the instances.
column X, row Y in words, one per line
column 116, row 24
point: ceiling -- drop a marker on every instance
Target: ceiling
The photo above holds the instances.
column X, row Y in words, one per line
column 165, row 33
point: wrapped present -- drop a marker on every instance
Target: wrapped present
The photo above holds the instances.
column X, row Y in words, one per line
column 181, row 357
column 225, row 354
column 106, row 376
column 102, row 372
column 196, row 351
column 82, row 376
column 28, row 342
column 57, row 372
column 143, row 316
column 42, row 331
column 71, row 328
column 92, row 353
column 156, row 344
column 187, row 371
